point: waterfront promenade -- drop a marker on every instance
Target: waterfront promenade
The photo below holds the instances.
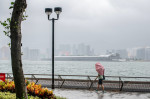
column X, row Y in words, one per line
column 87, row 94
column 86, row 82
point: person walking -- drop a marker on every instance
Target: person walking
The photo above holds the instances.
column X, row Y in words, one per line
column 100, row 70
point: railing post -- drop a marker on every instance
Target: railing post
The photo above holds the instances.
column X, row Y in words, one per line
column 119, row 81
column 59, row 77
column 122, row 83
column 92, row 83
column 89, row 81
column 7, row 76
column 34, row 78
column 62, row 82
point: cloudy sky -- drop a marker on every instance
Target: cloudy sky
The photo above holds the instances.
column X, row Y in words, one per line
column 102, row 24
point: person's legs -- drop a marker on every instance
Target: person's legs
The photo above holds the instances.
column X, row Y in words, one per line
column 102, row 87
column 101, row 83
column 97, row 86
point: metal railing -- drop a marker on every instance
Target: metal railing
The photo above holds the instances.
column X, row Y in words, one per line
column 115, row 83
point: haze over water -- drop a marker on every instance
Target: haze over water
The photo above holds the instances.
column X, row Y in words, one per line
column 129, row 69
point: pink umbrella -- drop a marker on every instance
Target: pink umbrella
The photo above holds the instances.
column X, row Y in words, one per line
column 99, row 68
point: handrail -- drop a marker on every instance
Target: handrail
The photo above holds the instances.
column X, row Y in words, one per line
column 63, row 82
column 84, row 75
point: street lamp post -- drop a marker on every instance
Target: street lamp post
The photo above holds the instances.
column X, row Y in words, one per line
column 48, row 11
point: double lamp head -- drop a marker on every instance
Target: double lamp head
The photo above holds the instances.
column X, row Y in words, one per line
column 49, row 11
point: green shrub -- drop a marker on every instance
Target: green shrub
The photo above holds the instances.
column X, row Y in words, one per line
column 8, row 95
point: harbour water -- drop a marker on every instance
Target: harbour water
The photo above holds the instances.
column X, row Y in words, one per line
column 131, row 69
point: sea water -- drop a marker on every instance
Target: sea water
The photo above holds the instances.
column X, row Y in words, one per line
column 128, row 69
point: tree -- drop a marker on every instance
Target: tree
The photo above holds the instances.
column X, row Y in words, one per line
column 12, row 28
column 15, row 35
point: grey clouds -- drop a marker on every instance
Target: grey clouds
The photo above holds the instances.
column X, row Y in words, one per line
column 103, row 24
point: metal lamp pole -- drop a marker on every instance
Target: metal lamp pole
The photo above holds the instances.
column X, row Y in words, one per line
column 48, row 11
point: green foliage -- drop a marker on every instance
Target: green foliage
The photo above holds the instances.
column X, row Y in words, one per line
column 24, row 17
column 57, row 97
column 7, row 87
column 6, row 23
column 12, row 5
column 8, row 95
column 9, row 44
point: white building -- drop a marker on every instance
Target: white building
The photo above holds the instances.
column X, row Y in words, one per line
column 34, row 54
column 5, row 53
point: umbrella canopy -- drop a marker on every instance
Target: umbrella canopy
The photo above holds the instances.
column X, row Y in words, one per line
column 99, row 68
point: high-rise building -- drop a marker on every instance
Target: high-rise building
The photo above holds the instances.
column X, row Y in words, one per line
column 34, row 54
column 132, row 53
column 48, row 53
column 63, row 50
column 5, row 53
column 81, row 49
column 140, row 54
column 25, row 55
column 143, row 53
column 147, row 53
column 75, row 50
column 85, row 50
column 123, row 53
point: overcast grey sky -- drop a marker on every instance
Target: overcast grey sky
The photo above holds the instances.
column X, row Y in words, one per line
column 103, row 24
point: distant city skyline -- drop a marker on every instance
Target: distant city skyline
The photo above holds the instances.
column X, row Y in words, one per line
column 138, row 53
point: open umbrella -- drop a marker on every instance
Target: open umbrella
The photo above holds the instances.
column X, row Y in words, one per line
column 99, row 68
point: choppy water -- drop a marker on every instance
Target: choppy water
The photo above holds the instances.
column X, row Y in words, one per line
column 81, row 68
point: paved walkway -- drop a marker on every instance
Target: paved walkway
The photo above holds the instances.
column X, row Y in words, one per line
column 86, row 94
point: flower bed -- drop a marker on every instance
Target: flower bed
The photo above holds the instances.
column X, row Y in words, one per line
column 37, row 90
column 8, row 95
column 7, row 86
column 32, row 88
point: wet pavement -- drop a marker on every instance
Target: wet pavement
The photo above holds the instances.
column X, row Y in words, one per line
column 87, row 94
